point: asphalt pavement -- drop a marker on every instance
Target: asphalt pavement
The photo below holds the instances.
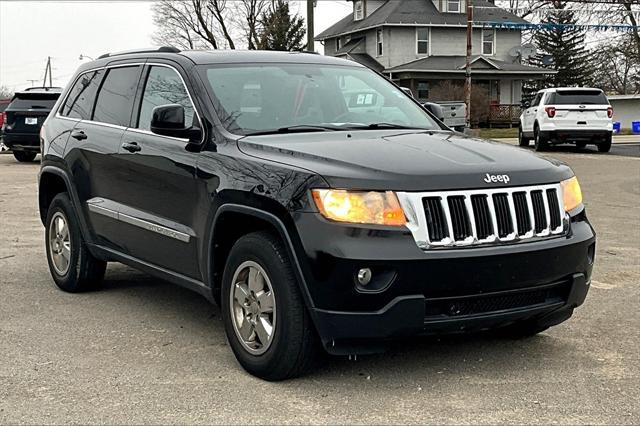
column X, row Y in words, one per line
column 145, row 351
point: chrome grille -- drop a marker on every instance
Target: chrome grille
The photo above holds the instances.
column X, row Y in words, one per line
column 491, row 216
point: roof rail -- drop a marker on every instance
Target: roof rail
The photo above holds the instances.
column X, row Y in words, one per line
column 166, row 49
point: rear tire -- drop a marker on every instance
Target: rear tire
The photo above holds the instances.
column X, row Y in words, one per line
column 605, row 145
column 24, row 156
column 541, row 142
column 291, row 347
column 72, row 267
column 522, row 140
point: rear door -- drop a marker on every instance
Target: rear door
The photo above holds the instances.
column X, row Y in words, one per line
column 580, row 109
column 94, row 144
column 158, row 194
column 529, row 115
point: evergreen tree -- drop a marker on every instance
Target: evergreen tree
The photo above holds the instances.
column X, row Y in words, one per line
column 280, row 29
column 566, row 47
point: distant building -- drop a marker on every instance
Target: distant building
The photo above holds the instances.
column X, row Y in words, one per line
column 420, row 43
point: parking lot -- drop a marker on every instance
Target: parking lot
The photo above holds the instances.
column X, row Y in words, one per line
column 145, row 351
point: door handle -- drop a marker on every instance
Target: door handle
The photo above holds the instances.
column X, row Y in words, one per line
column 131, row 146
column 79, row 135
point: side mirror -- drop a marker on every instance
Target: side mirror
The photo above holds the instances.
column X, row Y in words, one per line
column 168, row 120
column 526, row 104
column 434, row 109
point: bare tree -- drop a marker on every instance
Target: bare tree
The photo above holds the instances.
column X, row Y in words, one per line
column 619, row 70
column 193, row 24
column 5, row 93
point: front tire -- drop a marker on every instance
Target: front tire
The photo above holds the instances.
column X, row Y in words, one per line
column 24, row 156
column 72, row 267
column 265, row 318
column 541, row 142
column 522, row 140
column 605, row 145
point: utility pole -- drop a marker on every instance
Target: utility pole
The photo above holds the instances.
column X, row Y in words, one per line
column 310, row 31
column 467, row 83
column 47, row 71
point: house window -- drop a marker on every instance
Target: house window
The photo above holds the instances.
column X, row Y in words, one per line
column 358, row 10
column 422, row 36
column 338, row 44
column 453, row 6
column 379, row 42
column 488, row 41
column 423, row 90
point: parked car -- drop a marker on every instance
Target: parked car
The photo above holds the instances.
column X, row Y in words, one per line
column 567, row 115
column 455, row 114
column 23, row 119
column 248, row 178
column 3, row 106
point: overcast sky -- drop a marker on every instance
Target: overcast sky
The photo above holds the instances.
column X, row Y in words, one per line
column 32, row 30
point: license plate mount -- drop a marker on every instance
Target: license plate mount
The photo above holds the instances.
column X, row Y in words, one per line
column 31, row 121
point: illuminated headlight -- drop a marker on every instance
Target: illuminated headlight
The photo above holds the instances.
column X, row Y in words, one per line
column 376, row 208
column 571, row 194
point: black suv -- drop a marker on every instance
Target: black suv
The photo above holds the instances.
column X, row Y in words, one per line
column 23, row 119
column 312, row 199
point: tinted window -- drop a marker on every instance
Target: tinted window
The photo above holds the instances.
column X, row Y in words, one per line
column 578, row 97
column 82, row 96
column 115, row 99
column 536, row 100
column 27, row 100
column 164, row 86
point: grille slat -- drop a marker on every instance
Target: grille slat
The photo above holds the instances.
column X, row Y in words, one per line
column 522, row 212
column 460, row 218
column 554, row 208
column 540, row 218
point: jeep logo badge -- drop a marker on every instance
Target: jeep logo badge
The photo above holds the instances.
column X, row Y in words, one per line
column 496, row 178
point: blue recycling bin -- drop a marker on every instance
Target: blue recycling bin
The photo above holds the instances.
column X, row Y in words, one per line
column 635, row 126
column 616, row 127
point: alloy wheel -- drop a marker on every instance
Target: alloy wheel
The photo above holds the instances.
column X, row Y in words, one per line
column 253, row 307
column 60, row 243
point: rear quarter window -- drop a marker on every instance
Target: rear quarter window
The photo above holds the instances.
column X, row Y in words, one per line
column 578, row 97
column 82, row 95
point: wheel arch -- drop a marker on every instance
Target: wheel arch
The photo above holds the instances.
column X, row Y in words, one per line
column 224, row 233
column 51, row 182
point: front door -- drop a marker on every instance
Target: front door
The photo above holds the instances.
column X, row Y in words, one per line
column 159, row 194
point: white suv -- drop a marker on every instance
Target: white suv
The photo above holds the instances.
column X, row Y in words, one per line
column 567, row 115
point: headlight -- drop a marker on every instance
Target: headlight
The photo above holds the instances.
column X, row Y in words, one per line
column 571, row 193
column 378, row 208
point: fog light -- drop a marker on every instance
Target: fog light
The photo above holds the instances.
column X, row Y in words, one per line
column 364, row 276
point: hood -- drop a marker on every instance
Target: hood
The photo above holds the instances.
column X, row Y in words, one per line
column 406, row 160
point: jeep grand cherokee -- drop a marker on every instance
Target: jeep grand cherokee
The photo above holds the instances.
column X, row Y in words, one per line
column 314, row 201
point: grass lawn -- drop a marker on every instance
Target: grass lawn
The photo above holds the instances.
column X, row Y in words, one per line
column 513, row 133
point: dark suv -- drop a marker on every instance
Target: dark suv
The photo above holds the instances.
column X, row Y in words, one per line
column 308, row 196
column 23, row 119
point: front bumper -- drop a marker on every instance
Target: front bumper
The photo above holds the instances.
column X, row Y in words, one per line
column 438, row 291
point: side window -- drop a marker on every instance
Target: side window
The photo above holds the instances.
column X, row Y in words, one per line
column 82, row 95
column 115, row 99
column 164, row 86
column 536, row 100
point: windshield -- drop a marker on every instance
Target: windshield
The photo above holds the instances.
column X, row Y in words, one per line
column 263, row 98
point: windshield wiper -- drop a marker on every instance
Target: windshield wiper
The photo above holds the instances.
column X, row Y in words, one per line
column 302, row 128
column 376, row 126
